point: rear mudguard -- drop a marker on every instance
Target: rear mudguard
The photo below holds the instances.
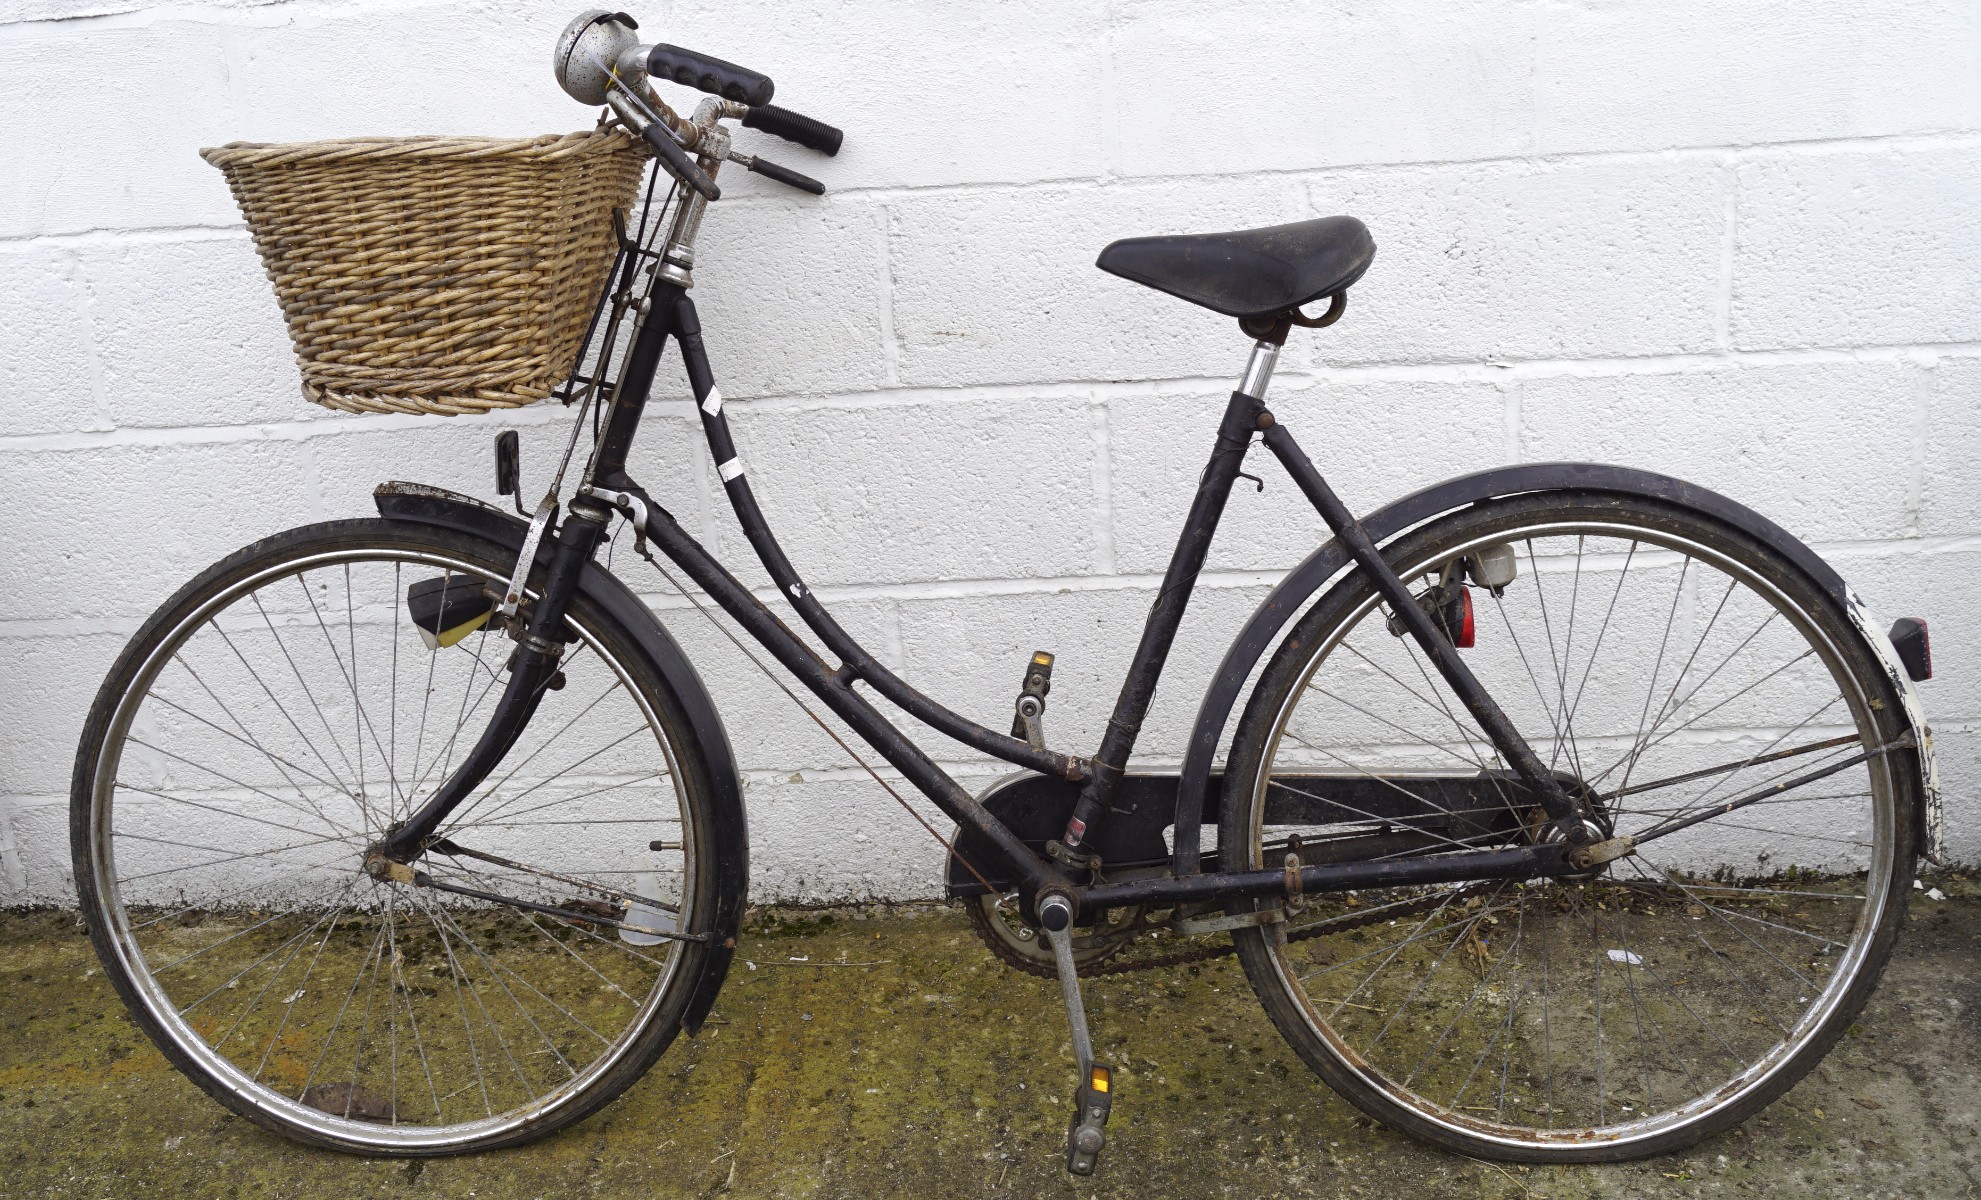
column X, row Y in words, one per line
column 1290, row 599
column 730, row 832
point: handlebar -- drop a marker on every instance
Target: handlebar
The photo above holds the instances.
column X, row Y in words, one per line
column 794, row 127
column 599, row 60
column 783, row 175
column 711, row 75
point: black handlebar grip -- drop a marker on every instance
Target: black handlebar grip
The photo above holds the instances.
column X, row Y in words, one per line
column 683, row 167
column 794, row 127
column 787, row 176
column 710, row 74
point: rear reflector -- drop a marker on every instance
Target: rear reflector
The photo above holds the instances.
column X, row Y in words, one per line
column 1914, row 649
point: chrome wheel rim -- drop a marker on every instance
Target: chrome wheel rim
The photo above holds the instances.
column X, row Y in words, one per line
column 1323, row 991
column 499, row 998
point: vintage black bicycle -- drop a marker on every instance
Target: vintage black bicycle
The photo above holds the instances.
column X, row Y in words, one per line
column 1570, row 814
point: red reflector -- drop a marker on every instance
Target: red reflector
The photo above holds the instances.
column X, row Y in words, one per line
column 1464, row 639
column 1915, row 650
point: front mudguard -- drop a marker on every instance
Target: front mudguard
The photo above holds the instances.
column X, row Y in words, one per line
column 1304, row 582
column 730, row 833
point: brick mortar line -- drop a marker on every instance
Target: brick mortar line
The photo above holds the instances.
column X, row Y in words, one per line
column 1925, row 141
column 137, row 235
column 1919, row 354
column 1883, row 549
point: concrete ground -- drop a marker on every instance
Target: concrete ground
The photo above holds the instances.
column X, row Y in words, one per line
column 922, row 1067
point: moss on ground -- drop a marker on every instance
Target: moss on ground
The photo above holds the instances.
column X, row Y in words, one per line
column 882, row 1052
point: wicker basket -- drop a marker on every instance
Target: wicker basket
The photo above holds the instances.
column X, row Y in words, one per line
column 434, row 275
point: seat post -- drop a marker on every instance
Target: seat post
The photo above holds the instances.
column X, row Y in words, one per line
column 1259, row 369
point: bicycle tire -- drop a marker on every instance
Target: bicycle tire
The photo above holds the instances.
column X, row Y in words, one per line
column 1443, row 964
column 524, row 960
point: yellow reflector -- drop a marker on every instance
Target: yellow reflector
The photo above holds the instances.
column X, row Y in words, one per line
column 1099, row 1080
column 454, row 635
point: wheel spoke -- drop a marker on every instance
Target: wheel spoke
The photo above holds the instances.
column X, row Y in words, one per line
column 1574, row 1011
column 361, row 1012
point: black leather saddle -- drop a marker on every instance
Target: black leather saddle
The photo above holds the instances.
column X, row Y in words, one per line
column 1249, row 272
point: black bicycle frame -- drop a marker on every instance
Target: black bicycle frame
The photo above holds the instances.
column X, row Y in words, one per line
column 672, row 314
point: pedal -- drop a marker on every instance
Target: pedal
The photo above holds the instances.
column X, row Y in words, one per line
column 1094, row 1098
column 1029, row 721
column 1087, row 1134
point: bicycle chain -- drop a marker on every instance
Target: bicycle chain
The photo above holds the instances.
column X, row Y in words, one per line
column 1109, row 966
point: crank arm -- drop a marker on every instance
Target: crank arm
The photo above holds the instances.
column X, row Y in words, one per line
column 1093, row 1099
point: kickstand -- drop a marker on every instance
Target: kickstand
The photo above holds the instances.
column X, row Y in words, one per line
column 1095, row 1095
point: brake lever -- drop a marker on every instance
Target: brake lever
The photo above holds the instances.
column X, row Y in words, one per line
column 656, row 134
column 684, row 167
column 782, row 174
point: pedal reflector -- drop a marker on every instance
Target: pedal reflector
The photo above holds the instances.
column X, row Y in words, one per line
column 1086, row 1136
column 447, row 609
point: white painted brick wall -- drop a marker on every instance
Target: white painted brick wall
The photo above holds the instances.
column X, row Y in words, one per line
column 1735, row 241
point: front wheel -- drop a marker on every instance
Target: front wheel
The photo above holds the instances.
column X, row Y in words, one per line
column 278, row 716
column 1661, row 663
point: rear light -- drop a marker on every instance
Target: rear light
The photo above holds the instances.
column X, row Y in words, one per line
column 1449, row 606
column 1915, row 650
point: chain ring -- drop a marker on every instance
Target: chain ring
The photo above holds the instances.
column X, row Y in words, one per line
column 1005, row 935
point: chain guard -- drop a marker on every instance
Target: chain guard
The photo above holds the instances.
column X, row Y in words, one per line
column 1035, row 808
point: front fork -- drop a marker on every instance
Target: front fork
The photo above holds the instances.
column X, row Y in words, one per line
column 539, row 649
column 541, row 643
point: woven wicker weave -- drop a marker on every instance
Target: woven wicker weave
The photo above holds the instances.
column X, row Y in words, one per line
column 434, row 275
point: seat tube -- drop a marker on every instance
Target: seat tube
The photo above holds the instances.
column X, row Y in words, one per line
column 1234, row 438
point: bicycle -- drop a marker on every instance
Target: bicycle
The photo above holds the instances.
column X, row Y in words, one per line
column 1571, row 817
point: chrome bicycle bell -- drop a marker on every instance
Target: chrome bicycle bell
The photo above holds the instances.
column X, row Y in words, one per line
column 591, row 48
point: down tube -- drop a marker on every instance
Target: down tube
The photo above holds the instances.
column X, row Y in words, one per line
column 838, row 694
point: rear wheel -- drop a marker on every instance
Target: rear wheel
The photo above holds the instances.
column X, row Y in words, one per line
column 274, row 719
column 1663, row 664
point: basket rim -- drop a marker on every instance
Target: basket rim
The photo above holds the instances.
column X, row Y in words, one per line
column 546, row 146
